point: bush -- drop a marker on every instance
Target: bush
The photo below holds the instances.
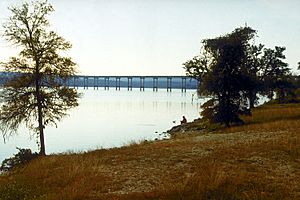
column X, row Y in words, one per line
column 22, row 157
column 297, row 92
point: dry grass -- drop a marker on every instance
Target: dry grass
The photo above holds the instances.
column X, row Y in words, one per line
column 260, row 160
column 271, row 117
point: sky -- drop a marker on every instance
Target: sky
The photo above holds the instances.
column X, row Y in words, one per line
column 155, row 37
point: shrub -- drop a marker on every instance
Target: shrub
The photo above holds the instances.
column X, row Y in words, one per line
column 22, row 157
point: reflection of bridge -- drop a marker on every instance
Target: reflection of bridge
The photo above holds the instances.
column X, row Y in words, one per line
column 129, row 82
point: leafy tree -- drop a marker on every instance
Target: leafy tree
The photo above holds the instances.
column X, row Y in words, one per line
column 220, row 70
column 275, row 73
column 265, row 72
column 233, row 71
column 34, row 96
column 252, row 83
column 199, row 67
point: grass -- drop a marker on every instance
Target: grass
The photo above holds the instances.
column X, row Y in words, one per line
column 271, row 117
column 260, row 160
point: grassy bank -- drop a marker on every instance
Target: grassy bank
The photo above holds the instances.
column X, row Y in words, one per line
column 260, row 160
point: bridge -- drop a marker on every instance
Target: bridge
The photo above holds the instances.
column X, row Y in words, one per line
column 129, row 82
column 117, row 82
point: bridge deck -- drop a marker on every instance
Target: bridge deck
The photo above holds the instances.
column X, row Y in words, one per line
column 153, row 82
column 141, row 82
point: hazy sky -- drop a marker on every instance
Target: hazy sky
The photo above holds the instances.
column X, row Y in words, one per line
column 154, row 37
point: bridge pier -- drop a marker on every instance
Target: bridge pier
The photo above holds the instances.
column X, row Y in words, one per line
column 106, row 83
column 142, row 83
column 74, row 82
column 169, row 84
column 118, row 83
column 96, row 82
column 183, row 84
column 65, row 82
column 68, row 82
column 129, row 83
column 85, row 83
column 155, row 84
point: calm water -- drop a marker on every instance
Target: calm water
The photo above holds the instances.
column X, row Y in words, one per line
column 111, row 118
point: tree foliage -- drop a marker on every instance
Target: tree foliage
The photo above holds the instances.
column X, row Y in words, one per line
column 251, row 73
column 233, row 70
column 22, row 157
column 275, row 72
column 226, row 81
column 35, row 95
column 220, row 70
column 267, row 72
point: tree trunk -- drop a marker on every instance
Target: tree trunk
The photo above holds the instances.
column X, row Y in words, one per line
column 40, row 113
column 41, row 130
column 38, row 92
column 227, row 124
column 281, row 95
column 252, row 96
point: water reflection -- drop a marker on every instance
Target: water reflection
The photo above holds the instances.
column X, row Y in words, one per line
column 108, row 118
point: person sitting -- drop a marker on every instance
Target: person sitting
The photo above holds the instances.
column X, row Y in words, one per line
column 183, row 121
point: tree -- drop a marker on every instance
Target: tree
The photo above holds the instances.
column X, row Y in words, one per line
column 34, row 96
column 251, row 73
column 275, row 73
column 220, row 68
column 265, row 72
column 199, row 67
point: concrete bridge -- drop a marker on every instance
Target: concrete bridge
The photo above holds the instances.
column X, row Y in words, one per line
column 129, row 82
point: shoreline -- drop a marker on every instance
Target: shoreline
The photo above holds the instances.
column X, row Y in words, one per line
column 259, row 160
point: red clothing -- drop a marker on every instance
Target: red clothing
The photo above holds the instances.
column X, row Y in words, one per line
column 183, row 121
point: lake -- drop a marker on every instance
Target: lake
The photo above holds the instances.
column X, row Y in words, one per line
column 110, row 118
